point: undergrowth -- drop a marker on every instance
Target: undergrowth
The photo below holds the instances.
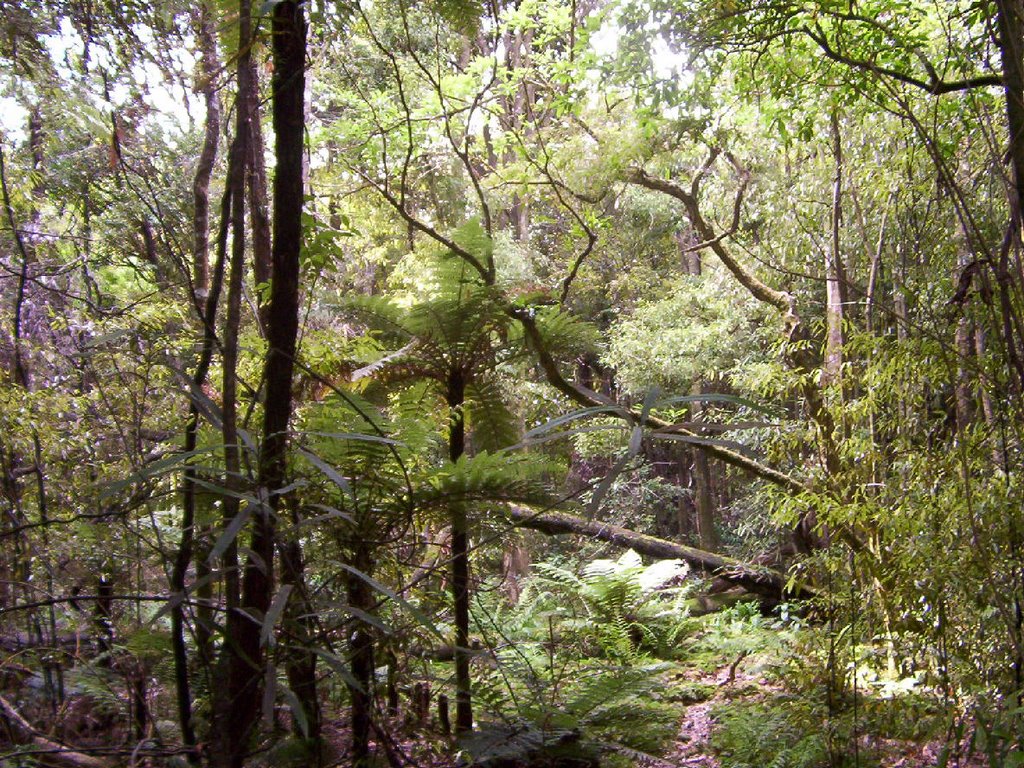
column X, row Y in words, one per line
column 580, row 664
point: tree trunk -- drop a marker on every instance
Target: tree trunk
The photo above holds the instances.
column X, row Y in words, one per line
column 282, row 318
column 1010, row 22
column 964, row 344
column 235, row 697
column 259, row 215
column 183, row 557
column 240, row 691
column 456, row 397
column 361, row 653
column 207, row 38
column 763, row 581
column 832, row 369
column 707, row 535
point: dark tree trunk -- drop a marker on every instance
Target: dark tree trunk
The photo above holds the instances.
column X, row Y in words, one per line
column 183, row 557
column 244, row 663
column 234, row 713
column 225, row 696
column 207, row 38
column 282, row 316
column 456, row 397
column 1010, row 21
column 1010, row 18
column 361, row 651
column 259, row 213
column 206, row 305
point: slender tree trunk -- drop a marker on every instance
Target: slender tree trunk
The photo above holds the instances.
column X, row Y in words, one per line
column 988, row 409
column 206, row 304
column 707, row 535
column 207, row 38
column 362, row 657
column 456, row 397
column 875, row 271
column 1010, row 23
column 183, row 558
column 964, row 350
column 289, row 107
column 245, row 658
column 225, row 697
column 832, row 370
column 237, row 694
column 237, row 172
column 259, row 209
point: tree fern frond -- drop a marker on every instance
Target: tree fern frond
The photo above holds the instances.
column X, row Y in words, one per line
column 558, row 575
column 492, row 425
column 565, row 335
column 378, row 313
column 486, row 477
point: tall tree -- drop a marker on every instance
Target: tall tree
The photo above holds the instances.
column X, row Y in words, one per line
column 244, row 647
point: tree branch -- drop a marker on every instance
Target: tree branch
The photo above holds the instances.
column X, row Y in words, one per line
column 932, row 85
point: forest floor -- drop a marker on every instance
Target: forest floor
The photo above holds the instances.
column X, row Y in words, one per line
column 744, row 697
column 747, row 691
column 751, row 684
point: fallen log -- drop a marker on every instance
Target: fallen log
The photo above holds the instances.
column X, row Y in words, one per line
column 49, row 752
column 758, row 579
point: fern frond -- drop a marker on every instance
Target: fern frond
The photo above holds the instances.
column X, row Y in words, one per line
column 565, row 335
column 377, row 313
column 491, row 423
column 496, row 478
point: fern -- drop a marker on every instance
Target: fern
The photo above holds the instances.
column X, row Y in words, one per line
column 554, row 697
column 490, row 478
column 780, row 733
column 564, row 334
column 489, row 419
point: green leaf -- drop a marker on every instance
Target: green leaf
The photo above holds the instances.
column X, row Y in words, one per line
column 606, row 483
column 695, row 440
column 229, row 534
column 330, row 513
column 636, row 440
column 717, row 398
column 415, row 612
column 298, row 712
column 338, row 667
column 332, row 474
column 581, row 413
column 273, row 612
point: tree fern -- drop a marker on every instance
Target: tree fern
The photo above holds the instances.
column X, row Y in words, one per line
column 491, row 423
column 564, row 334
